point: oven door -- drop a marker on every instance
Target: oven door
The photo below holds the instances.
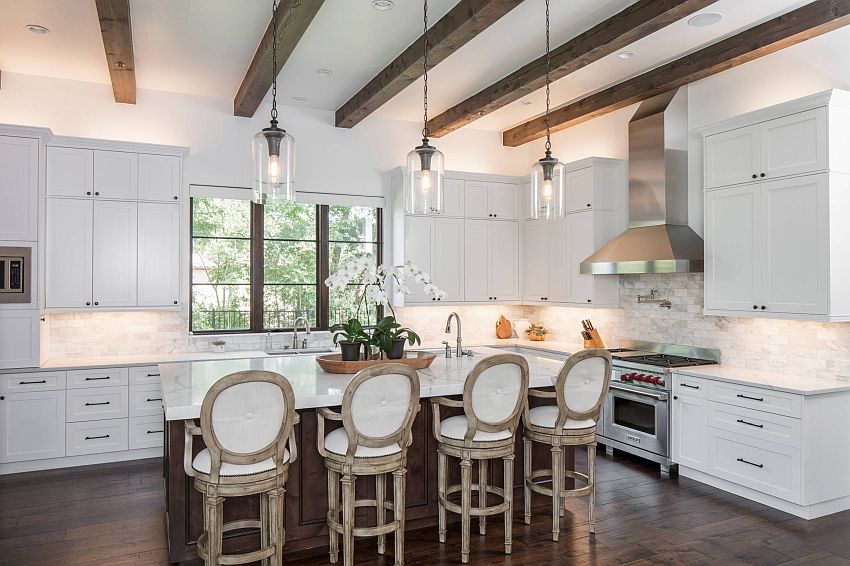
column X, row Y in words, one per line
column 637, row 418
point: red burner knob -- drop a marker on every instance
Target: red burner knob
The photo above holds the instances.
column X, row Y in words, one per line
column 657, row 381
column 641, row 377
column 624, row 377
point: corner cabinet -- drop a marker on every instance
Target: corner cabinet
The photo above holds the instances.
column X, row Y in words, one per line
column 777, row 188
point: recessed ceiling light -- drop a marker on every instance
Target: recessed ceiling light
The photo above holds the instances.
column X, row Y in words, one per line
column 706, row 19
column 325, row 72
column 525, row 102
column 626, row 54
column 383, row 5
column 35, row 28
column 299, row 98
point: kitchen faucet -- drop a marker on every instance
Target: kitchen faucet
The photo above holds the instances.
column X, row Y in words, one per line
column 295, row 332
column 460, row 351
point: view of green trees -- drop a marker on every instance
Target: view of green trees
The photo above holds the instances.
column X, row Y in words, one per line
column 221, row 261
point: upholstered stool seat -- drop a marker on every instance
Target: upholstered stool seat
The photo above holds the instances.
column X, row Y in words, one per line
column 203, row 461
column 546, row 416
column 336, row 443
column 454, row 429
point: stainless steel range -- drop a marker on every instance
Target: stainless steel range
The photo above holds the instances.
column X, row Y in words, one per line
column 636, row 413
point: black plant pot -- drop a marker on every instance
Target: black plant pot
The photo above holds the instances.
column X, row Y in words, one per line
column 397, row 351
column 350, row 351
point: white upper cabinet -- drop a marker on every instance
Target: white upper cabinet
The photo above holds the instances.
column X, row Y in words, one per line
column 484, row 199
column 18, row 188
column 70, row 172
column 557, row 261
column 20, row 339
column 68, row 261
column 537, row 259
column 504, row 261
column 732, row 157
column 116, row 174
column 476, row 255
column 159, row 177
column 579, row 189
column 453, row 198
column 580, row 244
column 159, row 254
column 475, row 199
column 419, row 250
column 794, row 145
column 448, row 257
column 114, row 252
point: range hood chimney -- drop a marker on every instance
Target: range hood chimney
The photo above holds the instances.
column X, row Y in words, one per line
column 659, row 239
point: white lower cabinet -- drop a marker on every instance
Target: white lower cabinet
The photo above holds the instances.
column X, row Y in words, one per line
column 96, row 403
column 32, row 425
column 690, row 418
column 147, row 432
column 95, row 437
column 145, row 400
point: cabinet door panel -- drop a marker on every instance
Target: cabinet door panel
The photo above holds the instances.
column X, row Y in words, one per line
column 579, row 228
column 69, row 253
column 476, row 273
column 70, row 172
column 453, row 198
column 32, row 426
column 448, row 257
column 796, row 222
column 556, row 257
column 690, row 432
column 19, row 339
column 504, row 201
column 504, row 261
column 732, row 157
column 419, row 250
column 475, row 199
column 159, row 254
column 116, row 174
column 733, row 266
column 536, row 285
column 579, row 189
column 159, row 177
column 114, row 275
column 795, row 144
column 18, row 189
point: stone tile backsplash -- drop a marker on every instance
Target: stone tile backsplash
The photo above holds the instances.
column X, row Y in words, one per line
column 783, row 346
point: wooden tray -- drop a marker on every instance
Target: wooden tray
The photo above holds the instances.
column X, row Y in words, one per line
column 332, row 363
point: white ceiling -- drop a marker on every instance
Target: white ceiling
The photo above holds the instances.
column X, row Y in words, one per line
column 203, row 47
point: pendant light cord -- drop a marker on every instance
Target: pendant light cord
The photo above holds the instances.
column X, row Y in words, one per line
column 548, row 140
column 425, row 93
column 274, row 63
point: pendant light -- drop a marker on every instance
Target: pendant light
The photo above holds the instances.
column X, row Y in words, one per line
column 273, row 148
column 547, row 175
column 425, row 163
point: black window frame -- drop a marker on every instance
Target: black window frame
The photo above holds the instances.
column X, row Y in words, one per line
column 257, row 275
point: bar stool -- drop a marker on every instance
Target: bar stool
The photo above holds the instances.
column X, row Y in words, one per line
column 247, row 419
column 579, row 390
column 378, row 409
column 493, row 398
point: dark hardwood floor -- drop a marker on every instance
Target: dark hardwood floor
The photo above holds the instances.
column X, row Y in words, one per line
column 113, row 515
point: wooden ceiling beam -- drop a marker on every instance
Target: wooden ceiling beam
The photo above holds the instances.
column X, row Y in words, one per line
column 610, row 36
column 293, row 19
column 811, row 20
column 117, row 33
column 460, row 25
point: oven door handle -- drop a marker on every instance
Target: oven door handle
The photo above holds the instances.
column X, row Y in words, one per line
column 637, row 396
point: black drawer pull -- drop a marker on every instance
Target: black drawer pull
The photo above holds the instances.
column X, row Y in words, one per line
column 690, row 386
column 155, row 399
column 750, row 424
column 97, row 437
column 154, row 432
column 152, row 375
column 96, row 404
column 751, row 463
column 97, row 378
column 32, row 382
column 750, row 398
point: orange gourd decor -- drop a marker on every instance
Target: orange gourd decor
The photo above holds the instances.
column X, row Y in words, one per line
column 503, row 328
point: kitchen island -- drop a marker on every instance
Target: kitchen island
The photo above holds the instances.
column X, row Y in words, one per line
column 185, row 384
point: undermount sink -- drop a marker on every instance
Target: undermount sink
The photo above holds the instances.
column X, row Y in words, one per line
column 299, row 351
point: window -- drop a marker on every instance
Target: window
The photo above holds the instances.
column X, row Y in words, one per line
column 261, row 267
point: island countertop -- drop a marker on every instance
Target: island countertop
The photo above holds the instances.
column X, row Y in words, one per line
column 185, row 384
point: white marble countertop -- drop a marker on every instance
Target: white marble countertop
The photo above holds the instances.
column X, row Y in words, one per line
column 789, row 383
column 185, row 384
column 145, row 359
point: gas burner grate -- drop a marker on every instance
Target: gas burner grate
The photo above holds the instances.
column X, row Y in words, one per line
column 668, row 361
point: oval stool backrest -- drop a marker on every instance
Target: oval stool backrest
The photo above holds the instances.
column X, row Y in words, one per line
column 495, row 393
column 379, row 406
column 247, row 417
column 582, row 384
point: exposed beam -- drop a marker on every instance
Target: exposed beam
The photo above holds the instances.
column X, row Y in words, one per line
column 117, row 33
column 293, row 19
column 463, row 22
column 635, row 22
column 812, row 20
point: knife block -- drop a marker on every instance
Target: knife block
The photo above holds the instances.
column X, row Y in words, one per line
column 589, row 344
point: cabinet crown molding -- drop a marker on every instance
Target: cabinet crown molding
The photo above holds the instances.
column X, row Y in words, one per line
column 44, row 134
column 112, row 145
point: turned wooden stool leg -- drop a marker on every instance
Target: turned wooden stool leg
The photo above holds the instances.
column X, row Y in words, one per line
column 442, row 486
column 348, row 519
column 482, row 495
column 275, row 519
column 557, row 477
column 591, row 476
column 508, row 464
column 399, row 483
column 465, row 506
column 380, row 512
column 333, row 509
column 527, row 448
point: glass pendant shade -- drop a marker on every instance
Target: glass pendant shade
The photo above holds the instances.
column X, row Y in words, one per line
column 424, row 184
column 548, row 189
column 274, row 165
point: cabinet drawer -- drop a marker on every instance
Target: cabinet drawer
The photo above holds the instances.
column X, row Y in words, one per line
column 96, row 404
column 101, row 377
column 763, row 466
column 95, row 437
column 146, row 432
column 37, row 381
column 779, row 429
column 688, row 385
column 757, row 398
column 143, row 375
column 145, row 400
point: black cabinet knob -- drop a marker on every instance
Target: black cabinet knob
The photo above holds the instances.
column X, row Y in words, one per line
column 175, row 302
column 490, row 215
column 96, row 303
column 588, row 205
column 495, row 215
column 88, row 193
column 763, row 175
column 433, row 298
column 589, row 300
column 175, row 198
column 675, row 396
column 755, row 307
column 97, row 194
column 755, row 176
column 763, row 307
column 88, row 304
column 2, row 397
column 495, row 298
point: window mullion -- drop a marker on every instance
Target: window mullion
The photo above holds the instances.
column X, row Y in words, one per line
column 257, row 268
column 322, row 267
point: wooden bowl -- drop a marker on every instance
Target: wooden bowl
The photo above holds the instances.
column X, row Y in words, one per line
column 332, row 363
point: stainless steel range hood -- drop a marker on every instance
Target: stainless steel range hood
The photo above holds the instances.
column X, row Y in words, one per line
column 659, row 239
